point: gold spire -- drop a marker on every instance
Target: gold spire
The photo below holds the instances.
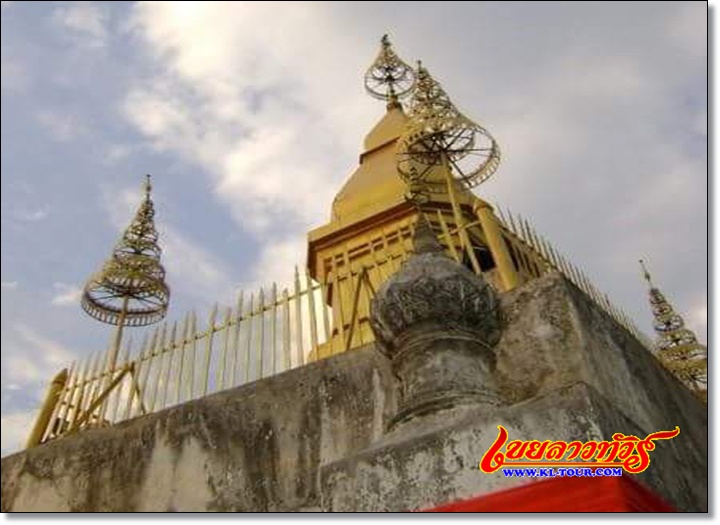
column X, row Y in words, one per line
column 677, row 347
column 130, row 288
column 646, row 274
column 148, row 187
column 389, row 78
column 439, row 134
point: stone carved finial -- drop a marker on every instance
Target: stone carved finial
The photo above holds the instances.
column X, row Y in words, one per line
column 424, row 240
column 438, row 323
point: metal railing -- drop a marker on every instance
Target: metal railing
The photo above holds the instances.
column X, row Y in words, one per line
column 265, row 333
column 519, row 232
column 268, row 332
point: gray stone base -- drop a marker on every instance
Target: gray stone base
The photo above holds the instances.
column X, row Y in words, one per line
column 438, row 461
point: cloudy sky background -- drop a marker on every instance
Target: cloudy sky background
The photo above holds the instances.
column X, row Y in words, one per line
column 251, row 116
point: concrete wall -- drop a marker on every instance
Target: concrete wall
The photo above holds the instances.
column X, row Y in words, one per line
column 314, row 438
column 557, row 337
column 253, row 448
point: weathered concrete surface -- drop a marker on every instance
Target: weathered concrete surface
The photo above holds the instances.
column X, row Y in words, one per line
column 556, row 336
column 254, row 448
column 314, row 437
column 422, row 468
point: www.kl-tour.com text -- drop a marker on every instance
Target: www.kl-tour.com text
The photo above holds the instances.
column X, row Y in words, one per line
column 551, row 472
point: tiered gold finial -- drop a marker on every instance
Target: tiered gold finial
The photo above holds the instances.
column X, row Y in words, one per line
column 389, row 78
column 439, row 134
column 130, row 288
column 677, row 347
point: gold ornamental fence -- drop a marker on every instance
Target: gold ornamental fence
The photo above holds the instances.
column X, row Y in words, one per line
column 265, row 333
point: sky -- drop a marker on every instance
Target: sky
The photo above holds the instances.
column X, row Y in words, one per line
column 251, row 116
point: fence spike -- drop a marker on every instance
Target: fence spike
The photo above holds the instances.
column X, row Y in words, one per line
column 273, row 328
column 168, row 373
column 312, row 314
column 536, row 242
column 57, row 422
column 512, row 223
column 69, row 414
column 99, row 383
column 181, row 362
column 160, row 357
column 287, row 357
column 553, row 257
column 261, row 339
column 248, row 347
column 124, row 362
column 85, row 388
column 222, row 358
column 545, row 251
column 523, row 229
column 585, row 282
column 193, row 354
column 138, row 366
column 144, row 379
column 298, row 316
column 208, row 348
column 500, row 215
column 236, row 337
column 520, row 233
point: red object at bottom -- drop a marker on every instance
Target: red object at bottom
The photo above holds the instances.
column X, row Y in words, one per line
column 607, row 494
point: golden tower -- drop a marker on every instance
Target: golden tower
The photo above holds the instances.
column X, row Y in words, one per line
column 677, row 347
column 422, row 154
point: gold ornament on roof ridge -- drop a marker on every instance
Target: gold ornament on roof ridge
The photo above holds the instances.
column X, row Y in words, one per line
column 130, row 288
column 438, row 134
column 677, row 347
column 389, row 77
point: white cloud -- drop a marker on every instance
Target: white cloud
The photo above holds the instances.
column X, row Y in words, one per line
column 697, row 321
column 62, row 127
column 5, row 4
column 276, row 263
column 66, row 294
column 202, row 274
column 688, row 26
column 54, row 354
column 16, row 428
column 9, row 285
column 13, row 76
column 115, row 153
column 30, row 359
column 87, row 22
column 29, row 215
column 233, row 97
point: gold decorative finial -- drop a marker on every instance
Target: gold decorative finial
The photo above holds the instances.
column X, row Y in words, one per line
column 677, row 347
column 389, row 78
column 130, row 288
column 646, row 274
column 148, row 186
column 438, row 134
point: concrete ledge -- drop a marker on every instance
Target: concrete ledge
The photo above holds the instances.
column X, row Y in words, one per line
column 254, row 448
column 315, row 437
column 418, row 470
